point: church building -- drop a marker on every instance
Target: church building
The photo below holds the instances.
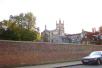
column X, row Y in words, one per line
column 48, row 35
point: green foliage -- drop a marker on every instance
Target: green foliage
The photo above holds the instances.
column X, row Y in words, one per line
column 20, row 29
column 24, row 20
column 0, row 23
column 27, row 35
column 9, row 35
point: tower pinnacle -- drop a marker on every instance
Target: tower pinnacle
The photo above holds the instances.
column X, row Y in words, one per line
column 45, row 26
column 59, row 20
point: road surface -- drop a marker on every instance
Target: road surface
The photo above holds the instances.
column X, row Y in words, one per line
column 86, row 66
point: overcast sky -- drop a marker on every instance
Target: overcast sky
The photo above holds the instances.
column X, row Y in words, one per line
column 76, row 14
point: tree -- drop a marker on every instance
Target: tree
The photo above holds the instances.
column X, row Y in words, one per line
column 9, row 35
column 27, row 35
column 24, row 20
column 1, row 28
column 20, row 28
column 8, row 29
column 13, row 32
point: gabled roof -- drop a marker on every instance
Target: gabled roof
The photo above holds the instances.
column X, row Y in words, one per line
column 91, row 33
column 45, row 31
column 48, row 30
column 63, row 37
column 73, row 34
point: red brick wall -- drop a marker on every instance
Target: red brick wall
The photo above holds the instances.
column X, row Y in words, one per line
column 14, row 52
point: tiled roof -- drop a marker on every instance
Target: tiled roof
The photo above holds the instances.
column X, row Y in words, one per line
column 63, row 37
column 73, row 34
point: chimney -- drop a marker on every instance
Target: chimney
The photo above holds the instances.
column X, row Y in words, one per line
column 93, row 30
column 82, row 30
column 100, row 28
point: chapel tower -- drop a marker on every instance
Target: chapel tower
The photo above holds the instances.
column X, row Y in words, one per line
column 60, row 27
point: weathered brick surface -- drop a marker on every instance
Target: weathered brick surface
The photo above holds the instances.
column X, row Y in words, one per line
column 14, row 52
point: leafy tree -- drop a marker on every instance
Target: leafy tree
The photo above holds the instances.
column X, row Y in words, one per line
column 27, row 35
column 20, row 34
column 9, row 35
column 20, row 28
column 1, row 28
column 8, row 27
column 24, row 20
column 0, row 23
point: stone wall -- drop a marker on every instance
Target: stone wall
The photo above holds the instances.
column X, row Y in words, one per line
column 15, row 52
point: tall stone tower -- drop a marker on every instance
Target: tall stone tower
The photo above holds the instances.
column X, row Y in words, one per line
column 60, row 27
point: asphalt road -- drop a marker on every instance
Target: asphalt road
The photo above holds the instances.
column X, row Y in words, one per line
column 86, row 66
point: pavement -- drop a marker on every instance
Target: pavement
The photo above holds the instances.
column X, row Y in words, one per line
column 56, row 65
